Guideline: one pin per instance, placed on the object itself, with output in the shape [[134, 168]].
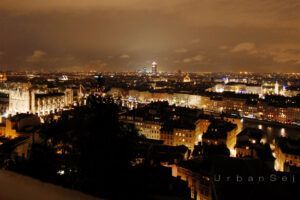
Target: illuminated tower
[[154, 68], [276, 89]]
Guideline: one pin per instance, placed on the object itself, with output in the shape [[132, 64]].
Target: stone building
[[41, 103]]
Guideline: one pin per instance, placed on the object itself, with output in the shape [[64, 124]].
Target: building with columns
[[34, 101]]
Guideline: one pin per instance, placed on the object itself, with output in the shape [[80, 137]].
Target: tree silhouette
[[86, 149]]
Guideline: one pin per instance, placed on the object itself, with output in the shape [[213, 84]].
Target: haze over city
[[149, 99], [190, 35]]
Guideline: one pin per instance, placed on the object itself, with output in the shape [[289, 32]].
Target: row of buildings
[[260, 89], [36, 99], [202, 174], [17, 135], [235, 178], [173, 125], [243, 105], [177, 126], [212, 174]]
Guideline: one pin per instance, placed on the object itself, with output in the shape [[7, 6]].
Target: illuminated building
[[237, 104], [231, 135], [199, 183], [150, 130], [20, 132], [15, 149], [220, 132], [21, 125], [251, 143], [154, 68], [271, 88], [202, 126], [167, 135], [187, 135], [276, 88], [237, 88], [174, 135], [186, 78], [246, 138], [246, 88], [287, 153], [3, 77], [290, 93], [181, 126], [63, 78], [23, 100], [207, 177], [4, 102]]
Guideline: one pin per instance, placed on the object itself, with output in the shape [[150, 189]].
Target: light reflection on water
[[274, 131]]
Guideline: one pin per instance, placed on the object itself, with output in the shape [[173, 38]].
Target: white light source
[[61, 172], [282, 132], [5, 115]]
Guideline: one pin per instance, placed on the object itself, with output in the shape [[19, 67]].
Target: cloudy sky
[[124, 35]]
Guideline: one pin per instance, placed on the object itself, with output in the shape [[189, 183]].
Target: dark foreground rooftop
[[18, 187]]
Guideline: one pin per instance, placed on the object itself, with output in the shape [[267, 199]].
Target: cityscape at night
[[149, 100]]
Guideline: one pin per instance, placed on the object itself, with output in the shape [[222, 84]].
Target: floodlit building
[[207, 178], [251, 143], [186, 78], [175, 126], [154, 68], [287, 152], [21, 125], [244, 105], [42, 103], [237, 88], [17, 135], [220, 132], [3, 77]]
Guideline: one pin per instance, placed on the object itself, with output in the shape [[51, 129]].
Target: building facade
[[287, 153], [231, 104], [41, 103]]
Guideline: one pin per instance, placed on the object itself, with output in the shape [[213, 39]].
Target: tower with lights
[[154, 68]]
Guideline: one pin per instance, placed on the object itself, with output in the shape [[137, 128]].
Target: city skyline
[[150, 99], [256, 36]]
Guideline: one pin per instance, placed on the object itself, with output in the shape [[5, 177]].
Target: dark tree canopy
[[95, 150]]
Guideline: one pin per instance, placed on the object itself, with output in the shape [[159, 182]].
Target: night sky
[[125, 35]]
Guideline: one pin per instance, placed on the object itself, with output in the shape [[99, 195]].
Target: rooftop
[[218, 129], [21, 116], [42, 95], [254, 133], [289, 146], [168, 115]]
